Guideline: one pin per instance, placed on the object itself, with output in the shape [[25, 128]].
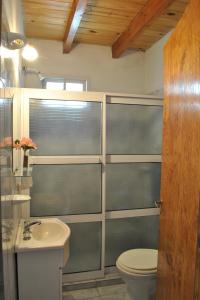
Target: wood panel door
[[180, 188]]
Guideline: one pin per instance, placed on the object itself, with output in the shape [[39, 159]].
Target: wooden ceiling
[[121, 24]]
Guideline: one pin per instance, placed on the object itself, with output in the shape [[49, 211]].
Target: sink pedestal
[[40, 275]]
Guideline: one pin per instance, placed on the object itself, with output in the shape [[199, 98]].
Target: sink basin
[[47, 232], [50, 234]]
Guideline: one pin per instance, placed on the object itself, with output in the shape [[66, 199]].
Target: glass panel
[[85, 248], [6, 150], [66, 189], [133, 185], [134, 129], [65, 127], [7, 220], [125, 234]]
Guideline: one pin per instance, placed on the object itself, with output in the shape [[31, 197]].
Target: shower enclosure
[[97, 168]]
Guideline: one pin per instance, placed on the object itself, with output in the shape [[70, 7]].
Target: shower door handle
[[158, 203]]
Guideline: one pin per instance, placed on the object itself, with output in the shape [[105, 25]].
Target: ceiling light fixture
[[29, 53], [13, 40]]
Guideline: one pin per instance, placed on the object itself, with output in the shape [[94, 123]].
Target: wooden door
[[197, 279], [180, 188]]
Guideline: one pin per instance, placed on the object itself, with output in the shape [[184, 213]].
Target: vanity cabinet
[[40, 274], [40, 259]]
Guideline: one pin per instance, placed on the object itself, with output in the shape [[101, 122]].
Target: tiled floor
[[111, 292]]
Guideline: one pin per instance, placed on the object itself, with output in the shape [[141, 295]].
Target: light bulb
[[29, 53]]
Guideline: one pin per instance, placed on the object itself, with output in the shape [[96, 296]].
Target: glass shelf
[[25, 172], [23, 179]]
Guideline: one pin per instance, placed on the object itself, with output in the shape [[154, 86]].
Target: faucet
[[27, 231]]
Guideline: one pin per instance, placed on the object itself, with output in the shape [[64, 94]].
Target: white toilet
[[138, 268]]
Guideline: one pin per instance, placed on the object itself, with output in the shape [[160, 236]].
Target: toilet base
[[141, 288]]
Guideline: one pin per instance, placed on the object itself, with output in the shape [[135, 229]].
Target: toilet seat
[[138, 262]]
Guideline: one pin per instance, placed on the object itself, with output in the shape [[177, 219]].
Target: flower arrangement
[[25, 144]]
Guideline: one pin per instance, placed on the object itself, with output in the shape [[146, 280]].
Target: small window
[[65, 84], [53, 85], [74, 86]]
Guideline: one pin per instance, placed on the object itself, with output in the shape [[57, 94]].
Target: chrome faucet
[[27, 231]]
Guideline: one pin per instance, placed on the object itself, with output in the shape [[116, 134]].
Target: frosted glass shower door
[[130, 233], [68, 180], [134, 138], [134, 129], [97, 168], [65, 127], [132, 185]]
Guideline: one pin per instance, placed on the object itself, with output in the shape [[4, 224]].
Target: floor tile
[[95, 298], [83, 294], [113, 289], [113, 297], [70, 297], [79, 286], [127, 297], [113, 292], [67, 297]]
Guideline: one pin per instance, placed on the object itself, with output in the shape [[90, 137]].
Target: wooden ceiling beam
[[76, 14], [151, 10]]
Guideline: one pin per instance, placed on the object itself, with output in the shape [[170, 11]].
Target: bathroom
[[91, 155]]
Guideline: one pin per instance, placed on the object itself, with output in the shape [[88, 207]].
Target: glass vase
[[25, 164]]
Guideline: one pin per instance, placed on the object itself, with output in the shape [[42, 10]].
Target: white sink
[[50, 234]]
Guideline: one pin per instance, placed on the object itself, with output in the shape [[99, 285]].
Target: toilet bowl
[[138, 268]]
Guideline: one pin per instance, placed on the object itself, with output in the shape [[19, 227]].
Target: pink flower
[[25, 144], [25, 141]]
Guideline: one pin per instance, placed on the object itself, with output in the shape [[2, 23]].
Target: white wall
[[135, 72], [154, 64], [90, 62]]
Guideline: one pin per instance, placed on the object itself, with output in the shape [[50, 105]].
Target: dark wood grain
[[151, 10], [197, 279], [180, 185], [76, 14]]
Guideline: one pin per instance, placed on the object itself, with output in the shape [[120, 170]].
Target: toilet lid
[[136, 260]]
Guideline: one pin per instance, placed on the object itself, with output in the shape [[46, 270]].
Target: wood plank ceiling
[[101, 22]]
